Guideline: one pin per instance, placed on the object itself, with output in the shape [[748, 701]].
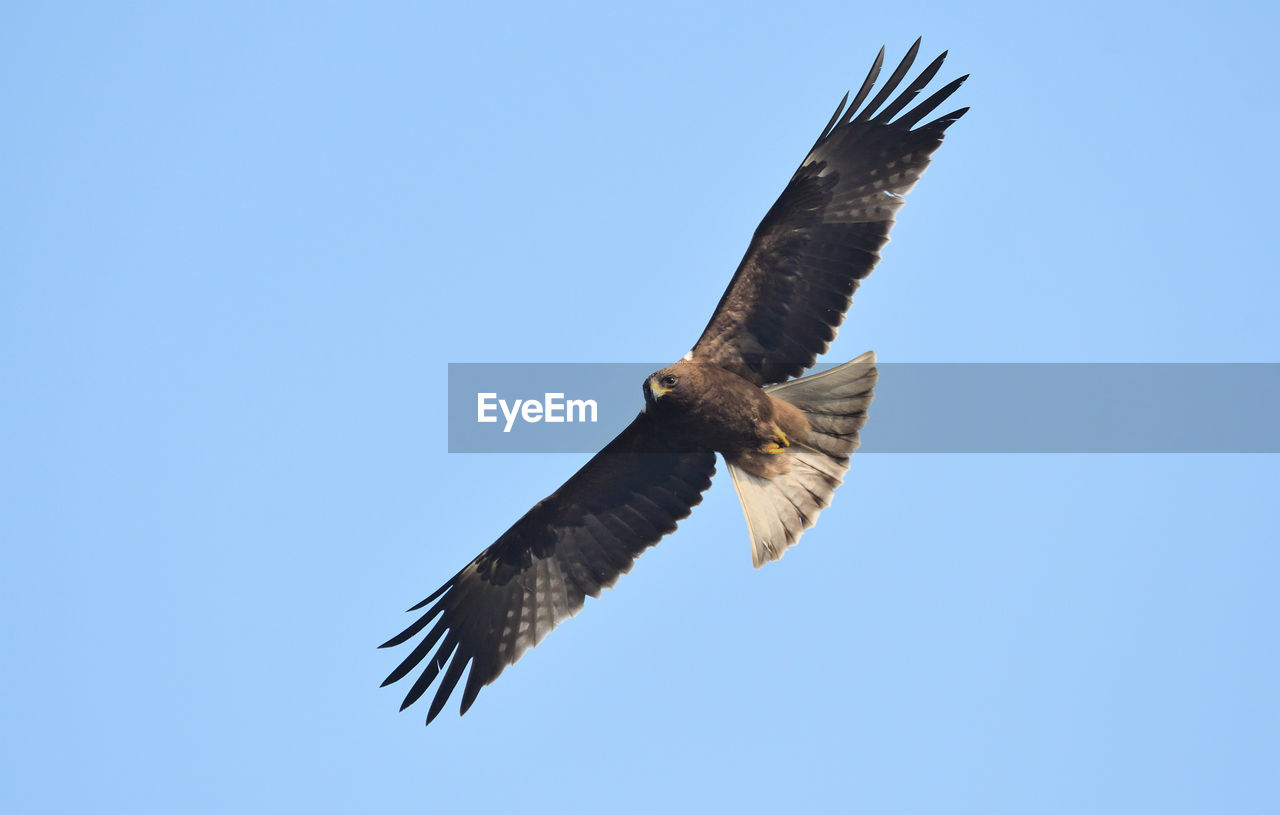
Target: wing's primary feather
[[825, 232], [574, 543]]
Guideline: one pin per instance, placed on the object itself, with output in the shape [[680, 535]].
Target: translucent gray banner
[[919, 407]]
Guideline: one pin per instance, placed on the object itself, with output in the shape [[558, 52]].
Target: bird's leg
[[779, 443]]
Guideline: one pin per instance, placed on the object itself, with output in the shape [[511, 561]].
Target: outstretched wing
[[825, 232], [574, 543]]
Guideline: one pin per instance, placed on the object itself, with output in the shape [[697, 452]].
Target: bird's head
[[669, 387]]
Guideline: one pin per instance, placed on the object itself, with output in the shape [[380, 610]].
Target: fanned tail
[[781, 508]]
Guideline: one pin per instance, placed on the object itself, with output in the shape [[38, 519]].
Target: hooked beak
[[652, 392]]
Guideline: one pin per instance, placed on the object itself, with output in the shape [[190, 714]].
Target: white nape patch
[[688, 357]]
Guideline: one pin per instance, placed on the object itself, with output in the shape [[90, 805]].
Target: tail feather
[[781, 508]]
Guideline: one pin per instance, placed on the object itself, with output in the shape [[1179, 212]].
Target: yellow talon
[[779, 444]]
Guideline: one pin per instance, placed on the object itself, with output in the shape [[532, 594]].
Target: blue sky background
[[242, 243]]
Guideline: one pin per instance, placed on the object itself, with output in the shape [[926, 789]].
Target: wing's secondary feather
[[825, 232]]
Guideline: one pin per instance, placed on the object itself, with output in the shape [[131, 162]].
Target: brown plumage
[[786, 443], [727, 413]]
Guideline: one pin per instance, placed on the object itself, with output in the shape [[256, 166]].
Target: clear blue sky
[[242, 242]]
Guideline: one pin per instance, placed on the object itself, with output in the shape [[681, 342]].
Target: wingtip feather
[[891, 84], [447, 685], [867, 84], [835, 117], [435, 594]]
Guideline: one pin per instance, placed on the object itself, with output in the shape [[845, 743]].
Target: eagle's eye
[[668, 381]]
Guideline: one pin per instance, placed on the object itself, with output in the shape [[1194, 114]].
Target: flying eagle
[[786, 441]]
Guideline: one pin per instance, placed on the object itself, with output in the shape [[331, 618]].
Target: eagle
[[786, 441]]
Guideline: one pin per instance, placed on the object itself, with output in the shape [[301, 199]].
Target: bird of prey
[[786, 442]]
